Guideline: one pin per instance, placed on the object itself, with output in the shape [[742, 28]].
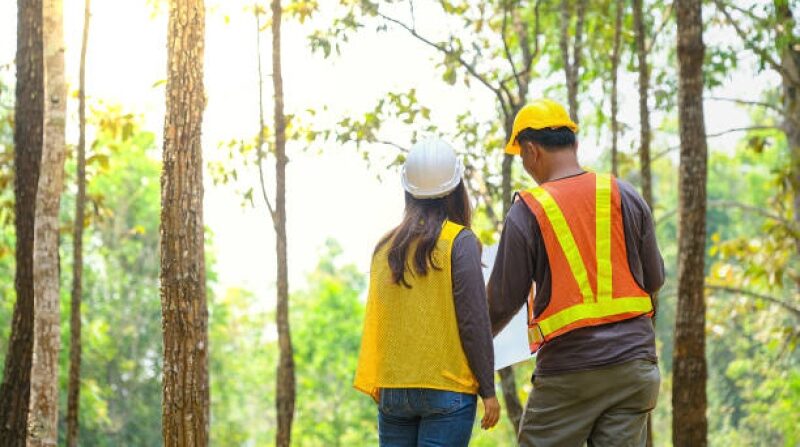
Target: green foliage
[[121, 371], [327, 320], [242, 370]]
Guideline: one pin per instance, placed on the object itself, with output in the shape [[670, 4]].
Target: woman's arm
[[472, 311]]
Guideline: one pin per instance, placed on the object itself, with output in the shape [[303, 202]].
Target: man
[[587, 244]]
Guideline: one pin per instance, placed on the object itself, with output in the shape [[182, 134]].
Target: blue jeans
[[409, 417]]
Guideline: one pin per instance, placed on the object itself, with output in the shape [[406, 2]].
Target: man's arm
[[652, 262], [511, 278]]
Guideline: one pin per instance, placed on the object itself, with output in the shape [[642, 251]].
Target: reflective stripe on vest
[[595, 306]]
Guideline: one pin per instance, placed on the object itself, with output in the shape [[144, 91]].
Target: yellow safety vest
[[411, 337]]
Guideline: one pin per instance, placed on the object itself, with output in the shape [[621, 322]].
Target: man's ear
[[526, 148], [533, 150]]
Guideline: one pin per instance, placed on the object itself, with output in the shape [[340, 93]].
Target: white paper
[[511, 344]]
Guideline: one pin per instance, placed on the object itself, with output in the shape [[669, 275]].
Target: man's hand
[[491, 412]]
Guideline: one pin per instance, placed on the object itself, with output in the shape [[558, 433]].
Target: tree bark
[[185, 407], [508, 382], [689, 424], [644, 133], [74, 386], [28, 140], [644, 109], [285, 392], [615, 57], [790, 62], [572, 58], [43, 406]]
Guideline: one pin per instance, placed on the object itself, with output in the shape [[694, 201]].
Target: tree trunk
[[43, 407], [286, 382], [644, 133], [689, 424], [183, 279], [28, 133], [74, 386], [615, 57], [572, 62], [644, 109], [790, 62], [508, 381]]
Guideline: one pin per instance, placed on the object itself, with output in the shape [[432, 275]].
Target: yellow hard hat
[[540, 114]]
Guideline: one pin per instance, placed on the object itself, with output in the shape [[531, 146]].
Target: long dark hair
[[422, 222]]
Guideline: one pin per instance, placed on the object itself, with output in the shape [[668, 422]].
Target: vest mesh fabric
[[411, 337]]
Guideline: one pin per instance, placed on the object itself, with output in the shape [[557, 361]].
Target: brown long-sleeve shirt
[[522, 259]]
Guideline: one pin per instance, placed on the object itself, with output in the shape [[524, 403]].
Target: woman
[[427, 350]]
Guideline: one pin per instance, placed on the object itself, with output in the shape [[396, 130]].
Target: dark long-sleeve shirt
[[522, 259], [472, 313]]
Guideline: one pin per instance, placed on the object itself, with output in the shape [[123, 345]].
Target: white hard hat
[[432, 169]]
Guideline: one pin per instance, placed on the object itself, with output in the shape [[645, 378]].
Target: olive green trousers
[[600, 407]]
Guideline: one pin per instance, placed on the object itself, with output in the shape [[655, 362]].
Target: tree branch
[[660, 28], [747, 103], [725, 204], [260, 138], [578, 43], [751, 209], [393, 144], [748, 42], [794, 310], [481, 194], [741, 129], [503, 35], [498, 91], [718, 134]]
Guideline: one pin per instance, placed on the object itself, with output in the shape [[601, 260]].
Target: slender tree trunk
[[185, 413], [572, 58], [615, 57], [644, 134], [43, 407], [790, 62], [689, 424], [644, 109], [28, 133], [791, 110], [286, 381], [508, 382], [74, 386]]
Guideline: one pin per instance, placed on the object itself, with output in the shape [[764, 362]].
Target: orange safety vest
[[581, 223]]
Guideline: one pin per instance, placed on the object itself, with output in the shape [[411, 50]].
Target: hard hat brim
[[512, 147]]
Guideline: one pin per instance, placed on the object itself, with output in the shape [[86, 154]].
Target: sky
[[331, 193]]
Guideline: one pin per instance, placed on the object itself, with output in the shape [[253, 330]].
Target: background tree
[[73, 390], [286, 381], [183, 278], [775, 44], [619, 8], [28, 140], [43, 412], [572, 55], [689, 361], [642, 49]]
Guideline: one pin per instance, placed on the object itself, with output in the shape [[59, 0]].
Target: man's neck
[[563, 172]]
